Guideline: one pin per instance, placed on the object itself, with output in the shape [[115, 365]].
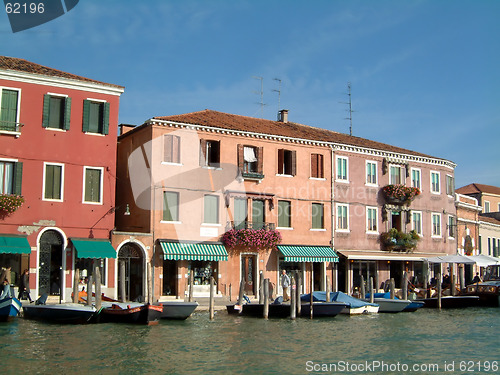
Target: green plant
[[9, 203], [401, 192], [394, 239], [251, 238]]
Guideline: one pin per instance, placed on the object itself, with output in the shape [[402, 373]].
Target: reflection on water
[[231, 344]]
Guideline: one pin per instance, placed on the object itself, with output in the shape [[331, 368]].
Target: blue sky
[[424, 74]]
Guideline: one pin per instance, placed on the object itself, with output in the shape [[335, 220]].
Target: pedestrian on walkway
[[5, 282], [285, 283], [24, 286]]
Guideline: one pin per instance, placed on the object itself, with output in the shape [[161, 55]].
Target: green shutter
[[46, 110], [8, 110], [211, 209], [18, 177], [170, 206], [86, 115], [258, 214], [317, 216], [105, 120], [67, 113], [92, 185], [284, 214]]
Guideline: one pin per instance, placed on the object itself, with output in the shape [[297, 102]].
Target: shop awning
[[93, 248], [13, 244], [213, 251], [385, 255], [298, 253]]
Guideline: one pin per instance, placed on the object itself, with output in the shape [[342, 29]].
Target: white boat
[[391, 305], [355, 306], [178, 310]]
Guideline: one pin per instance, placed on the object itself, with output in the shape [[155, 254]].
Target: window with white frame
[[7, 177], [371, 173], [211, 209], [317, 215], [436, 225], [450, 185], [170, 206], [416, 180], [435, 185], [342, 217], [53, 180], [342, 169], [486, 206], [371, 219], [9, 109], [416, 222], [92, 190], [451, 226], [396, 175]]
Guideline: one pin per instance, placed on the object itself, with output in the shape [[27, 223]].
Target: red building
[[58, 136]]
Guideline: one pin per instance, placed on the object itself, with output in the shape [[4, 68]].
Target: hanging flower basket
[[400, 194], [395, 240], [9, 203], [259, 239]]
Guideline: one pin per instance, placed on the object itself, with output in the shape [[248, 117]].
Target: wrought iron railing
[[9, 126]]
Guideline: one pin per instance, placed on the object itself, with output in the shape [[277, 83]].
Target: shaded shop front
[[180, 259], [318, 261], [14, 252]]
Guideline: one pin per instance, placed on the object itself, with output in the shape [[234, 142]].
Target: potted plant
[[400, 194], [9, 203]]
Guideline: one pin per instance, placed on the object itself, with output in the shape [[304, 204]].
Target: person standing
[[5, 282], [285, 283], [24, 286]]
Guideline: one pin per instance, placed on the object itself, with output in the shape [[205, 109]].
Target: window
[[317, 213], [93, 185], [53, 182], [395, 175], [240, 213], [9, 110], [416, 179], [56, 112], [436, 225], [287, 162], [450, 185], [171, 149], [95, 117], [211, 209], [451, 226], [480, 245], [489, 246], [209, 153], [284, 214], [170, 206], [10, 177], [371, 219], [317, 166], [486, 206], [435, 187], [342, 169], [258, 213], [416, 222], [371, 173], [342, 217]]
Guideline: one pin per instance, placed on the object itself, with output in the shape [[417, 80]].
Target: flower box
[[248, 238], [9, 203], [400, 194]]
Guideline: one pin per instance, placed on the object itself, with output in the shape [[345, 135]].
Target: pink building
[[58, 151], [207, 192]]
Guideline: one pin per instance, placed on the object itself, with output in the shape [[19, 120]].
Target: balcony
[[395, 240], [249, 225], [400, 194], [10, 128]]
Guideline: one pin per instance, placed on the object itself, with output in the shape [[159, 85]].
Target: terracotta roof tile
[[21, 65], [289, 129], [478, 188]]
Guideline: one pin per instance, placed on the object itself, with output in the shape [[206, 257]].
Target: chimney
[[283, 116]]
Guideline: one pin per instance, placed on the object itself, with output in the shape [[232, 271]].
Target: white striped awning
[[213, 251], [297, 253]]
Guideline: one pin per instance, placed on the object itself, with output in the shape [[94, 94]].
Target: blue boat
[[9, 308]]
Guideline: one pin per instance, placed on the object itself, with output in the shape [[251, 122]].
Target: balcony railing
[[9, 127], [249, 225]]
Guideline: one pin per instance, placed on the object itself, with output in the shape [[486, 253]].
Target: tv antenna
[[350, 107], [261, 93], [279, 93]]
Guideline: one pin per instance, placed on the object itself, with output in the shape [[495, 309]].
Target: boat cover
[[336, 297]]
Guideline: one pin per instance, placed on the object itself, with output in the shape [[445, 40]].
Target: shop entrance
[[132, 256], [50, 261], [169, 278], [248, 273]]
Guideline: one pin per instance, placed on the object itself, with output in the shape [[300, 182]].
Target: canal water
[[462, 341]]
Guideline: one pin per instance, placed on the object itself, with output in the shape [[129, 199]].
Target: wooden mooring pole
[[312, 290], [76, 281], [293, 298], [122, 281], [240, 295], [328, 288], [89, 290], [191, 283], [405, 285], [371, 290], [150, 284], [362, 288], [266, 299], [211, 303], [439, 290], [98, 296], [261, 287], [392, 286], [299, 290]]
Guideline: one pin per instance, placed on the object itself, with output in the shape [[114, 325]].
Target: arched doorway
[[50, 263], [132, 256]]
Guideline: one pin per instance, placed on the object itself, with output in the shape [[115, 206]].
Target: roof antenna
[[279, 94], [350, 107], [261, 92]]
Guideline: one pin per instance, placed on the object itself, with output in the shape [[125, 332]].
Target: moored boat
[[414, 306], [322, 309], [177, 310], [9, 308], [488, 290], [131, 313], [355, 306], [451, 302], [388, 305], [63, 313]]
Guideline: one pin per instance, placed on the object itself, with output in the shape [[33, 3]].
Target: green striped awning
[[93, 248], [13, 244], [213, 251], [308, 253]]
